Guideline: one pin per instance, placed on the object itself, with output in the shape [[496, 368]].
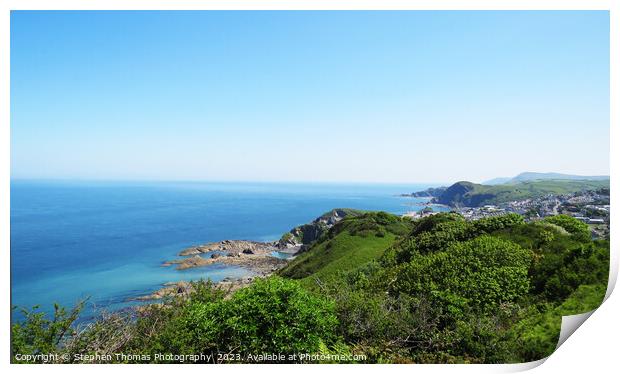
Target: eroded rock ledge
[[254, 256], [232, 247]]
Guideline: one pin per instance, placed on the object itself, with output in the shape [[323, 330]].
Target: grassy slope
[[343, 252], [349, 244], [484, 194], [317, 227]]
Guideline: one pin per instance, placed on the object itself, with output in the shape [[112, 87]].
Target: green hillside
[[351, 243], [308, 233], [474, 195], [440, 289], [492, 290]]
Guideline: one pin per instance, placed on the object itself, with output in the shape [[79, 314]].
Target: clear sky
[[308, 96]]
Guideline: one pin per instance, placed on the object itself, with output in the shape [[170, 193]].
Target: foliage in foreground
[[39, 335], [487, 291], [440, 289], [273, 315]]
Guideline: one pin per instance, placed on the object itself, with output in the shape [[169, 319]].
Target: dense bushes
[[564, 265], [492, 224], [276, 315], [479, 274], [440, 289], [575, 227], [484, 291], [271, 316], [438, 232], [38, 335]]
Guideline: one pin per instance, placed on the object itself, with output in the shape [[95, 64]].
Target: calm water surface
[[106, 241]]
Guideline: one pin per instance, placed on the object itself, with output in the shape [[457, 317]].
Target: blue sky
[[308, 96]]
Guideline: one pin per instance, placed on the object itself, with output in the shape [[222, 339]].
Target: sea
[[105, 242]]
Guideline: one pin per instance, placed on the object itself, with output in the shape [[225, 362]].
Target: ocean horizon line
[[224, 181]]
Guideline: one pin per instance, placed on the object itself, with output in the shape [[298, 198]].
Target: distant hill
[[500, 180], [532, 176], [470, 194], [458, 194]]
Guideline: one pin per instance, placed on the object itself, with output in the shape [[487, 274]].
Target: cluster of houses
[[591, 207], [481, 212]]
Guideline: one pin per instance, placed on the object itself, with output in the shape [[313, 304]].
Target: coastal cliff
[[304, 235], [468, 194], [429, 192]]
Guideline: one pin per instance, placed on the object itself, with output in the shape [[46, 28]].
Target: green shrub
[[480, 274], [273, 315], [551, 227], [563, 265], [490, 224], [38, 335], [277, 315], [384, 328], [431, 235], [575, 227]]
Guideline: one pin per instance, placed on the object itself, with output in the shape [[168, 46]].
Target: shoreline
[[253, 255], [257, 257]]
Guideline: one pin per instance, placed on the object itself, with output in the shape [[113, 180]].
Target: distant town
[[591, 207]]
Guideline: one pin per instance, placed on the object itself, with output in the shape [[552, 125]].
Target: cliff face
[[455, 194], [430, 192], [308, 233]]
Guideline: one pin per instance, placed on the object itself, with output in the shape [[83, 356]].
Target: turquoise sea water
[[107, 240]]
